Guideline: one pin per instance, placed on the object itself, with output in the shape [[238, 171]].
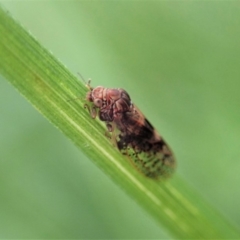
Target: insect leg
[[111, 129], [92, 110]]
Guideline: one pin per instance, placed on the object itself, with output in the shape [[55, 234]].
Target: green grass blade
[[48, 85]]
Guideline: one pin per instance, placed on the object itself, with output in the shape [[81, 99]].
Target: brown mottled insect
[[132, 133]]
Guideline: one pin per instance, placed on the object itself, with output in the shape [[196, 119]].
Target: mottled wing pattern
[[145, 147]]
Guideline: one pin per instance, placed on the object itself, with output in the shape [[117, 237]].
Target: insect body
[[132, 133]]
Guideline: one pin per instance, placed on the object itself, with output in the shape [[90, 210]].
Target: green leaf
[[48, 85]]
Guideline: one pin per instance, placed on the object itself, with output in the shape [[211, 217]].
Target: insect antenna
[[87, 83]]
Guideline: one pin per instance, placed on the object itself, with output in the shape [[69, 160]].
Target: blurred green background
[[180, 62]]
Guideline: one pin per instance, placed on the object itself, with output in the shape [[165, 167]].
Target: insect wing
[[144, 146]]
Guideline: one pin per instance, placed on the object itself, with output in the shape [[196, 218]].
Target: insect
[[130, 131]]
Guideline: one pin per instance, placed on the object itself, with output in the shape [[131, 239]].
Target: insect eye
[[98, 102]]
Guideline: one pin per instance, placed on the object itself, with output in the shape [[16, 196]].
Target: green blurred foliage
[[180, 63]]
